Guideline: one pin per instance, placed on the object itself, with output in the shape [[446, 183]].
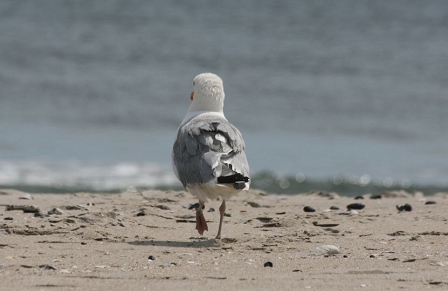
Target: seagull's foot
[[201, 224]]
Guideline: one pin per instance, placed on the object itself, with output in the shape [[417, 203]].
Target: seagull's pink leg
[[222, 211], [201, 224]]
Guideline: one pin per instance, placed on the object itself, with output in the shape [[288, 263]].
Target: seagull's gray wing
[[207, 148]]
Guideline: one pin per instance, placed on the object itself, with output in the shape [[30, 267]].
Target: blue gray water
[[324, 92]]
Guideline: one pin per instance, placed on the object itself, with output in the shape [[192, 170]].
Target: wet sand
[[147, 241]]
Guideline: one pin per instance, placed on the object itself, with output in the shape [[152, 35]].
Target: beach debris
[[24, 208], [315, 223], [26, 196], [395, 194], [359, 197], [324, 194], [274, 224], [373, 256], [162, 207], [83, 243], [229, 240], [264, 219], [356, 206], [398, 233], [194, 206], [309, 209], [430, 202], [268, 264], [141, 213], [83, 206], [8, 218], [254, 204], [334, 208], [27, 266], [326, 250], [151, 258], [47, 267], [376, 196], [405, 207], [55, 211]]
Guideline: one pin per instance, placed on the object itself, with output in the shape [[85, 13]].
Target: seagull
[[208, 154]]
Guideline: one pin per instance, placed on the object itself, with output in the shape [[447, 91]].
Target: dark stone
[[359, 197], [8, 218], [141, 213], [356, 206], [405, 207], [430, 202], [193, 206], [377, 196], [268, 264], [309, 209], [334, 208], [151, 258]]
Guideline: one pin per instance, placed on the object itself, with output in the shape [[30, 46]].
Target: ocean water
[[348, 96]]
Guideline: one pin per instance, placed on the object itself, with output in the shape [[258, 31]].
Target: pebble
[[334, 208], [193, 206], [151, 258], [309, 209], [405, 207], [55, 211], [326, 250], [268, 264], [141, 213], [377, 196], [83, 243], [357, 206], [430, 202], [8, 218], [359, 197]]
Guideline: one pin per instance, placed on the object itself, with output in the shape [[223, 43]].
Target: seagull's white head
[[208, 93]]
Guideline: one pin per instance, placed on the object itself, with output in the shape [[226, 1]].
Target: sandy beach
[[147, 241]]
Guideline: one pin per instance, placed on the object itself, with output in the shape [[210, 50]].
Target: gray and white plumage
[[209, 149]]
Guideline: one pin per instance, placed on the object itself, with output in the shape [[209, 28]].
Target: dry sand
[[103, 242]]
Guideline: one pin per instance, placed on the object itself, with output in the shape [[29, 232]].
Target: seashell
[[326, 250]]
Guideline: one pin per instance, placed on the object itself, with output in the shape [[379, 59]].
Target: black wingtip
[[236, 178]]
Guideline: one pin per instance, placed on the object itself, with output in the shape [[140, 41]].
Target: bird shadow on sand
[[200, 243]]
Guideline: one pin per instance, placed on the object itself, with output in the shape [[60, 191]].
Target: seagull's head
[[208, 93]]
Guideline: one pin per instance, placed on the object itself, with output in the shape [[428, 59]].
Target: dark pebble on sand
[[8, 218], [83, 243], [151, 258], [356, 206], [405, 207], [141, 213], [430, 202], [268, 264], [193, 206], [359, 197], [334, 208], [377, 196], [309, 209]]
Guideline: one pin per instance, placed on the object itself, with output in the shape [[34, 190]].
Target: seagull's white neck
[[192, 114]]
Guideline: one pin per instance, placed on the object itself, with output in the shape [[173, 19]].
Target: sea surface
[[348, 96]]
